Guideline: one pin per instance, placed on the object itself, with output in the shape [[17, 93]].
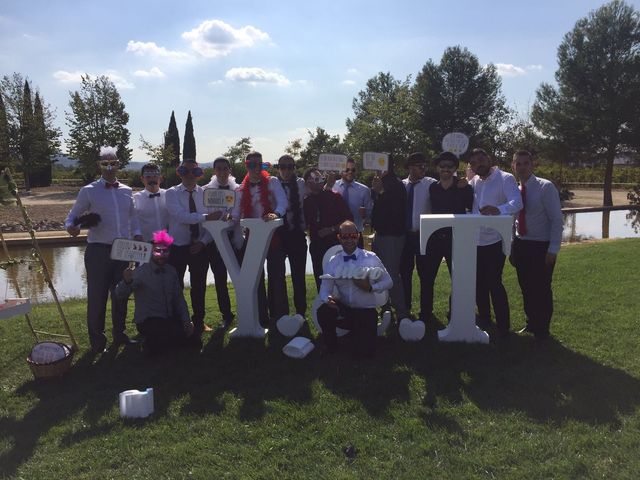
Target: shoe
[[123, 339], [97, 350], [503, 334], [525, 330], [226, 323]]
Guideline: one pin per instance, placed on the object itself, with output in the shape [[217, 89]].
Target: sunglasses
[[352, 170], [286, 167], [348, 236], [150, 174], [316, 179], [446, 166], [253, 164], [160, 252], [109, 163], [196, 171]]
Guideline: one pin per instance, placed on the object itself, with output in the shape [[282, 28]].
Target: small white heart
[[411, 331]]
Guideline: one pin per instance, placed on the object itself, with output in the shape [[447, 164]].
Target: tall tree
[[459, 94], [293, 148], [595, 108], [4, 137], [172, 139], [319, 142], [41, 149], [189, 146], [27, 135], [98, 117], [385, 117]]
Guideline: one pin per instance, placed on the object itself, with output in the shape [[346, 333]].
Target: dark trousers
[[411, 257], [103, 274], [220, 278], [534, 277], [294, 246], [438, 247], [362, 322], [198, 264], [317, 249], [489, 284], [161, 334]]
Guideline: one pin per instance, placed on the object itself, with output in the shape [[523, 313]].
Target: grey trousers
[[389, 250], [102, 276]]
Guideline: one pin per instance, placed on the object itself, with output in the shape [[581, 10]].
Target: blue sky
[[268, 70]]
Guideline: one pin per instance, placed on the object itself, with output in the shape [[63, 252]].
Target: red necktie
[[522, 220]]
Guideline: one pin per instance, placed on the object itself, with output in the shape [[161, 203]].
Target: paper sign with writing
[[456, 143], [130, 250], [218, 198], [375, 161], [334, 162]]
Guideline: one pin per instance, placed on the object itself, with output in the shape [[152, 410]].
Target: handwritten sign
[[218, 198], [334, 162], [456, 143], [375, 161], [130, 250]]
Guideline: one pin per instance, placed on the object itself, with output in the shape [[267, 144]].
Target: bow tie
[[153, 195], [346, 258], [112, 185], [223, 187]]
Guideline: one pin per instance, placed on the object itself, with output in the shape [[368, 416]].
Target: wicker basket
[[53, 369]]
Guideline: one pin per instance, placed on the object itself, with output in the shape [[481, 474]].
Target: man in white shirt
[[110, 203], [418, 203], [354, 305], [357, 195], [494, 193], [150, 203], [536, 244], [221, 179], [185, 205]]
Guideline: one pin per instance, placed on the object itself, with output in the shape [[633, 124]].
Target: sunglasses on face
[[348, 236], [109, 163], [253, 164], [316, 179], [196, 171], [446, 166], [160, 252], [350, 170], [286, 167], [151, 174]]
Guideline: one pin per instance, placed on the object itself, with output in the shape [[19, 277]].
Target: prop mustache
[[87, 220]]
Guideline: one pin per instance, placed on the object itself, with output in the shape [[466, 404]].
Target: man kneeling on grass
[[161, 312]]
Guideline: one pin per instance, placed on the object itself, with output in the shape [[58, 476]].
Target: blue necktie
[[409, 218], [345, 193], [346, 258]]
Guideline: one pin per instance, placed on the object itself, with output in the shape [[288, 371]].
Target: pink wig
[[162, 238]]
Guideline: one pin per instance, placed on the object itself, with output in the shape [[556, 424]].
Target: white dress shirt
[[277, 198], [118, 218], [177, 201], [421, 199], [348, 292], [500, 190], [359, 196], [543, 213], [152, 212]]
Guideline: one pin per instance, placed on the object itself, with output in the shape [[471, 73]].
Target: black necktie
[[223, 187], [195, 227], [346, 258], [153, 195], [409, 218]]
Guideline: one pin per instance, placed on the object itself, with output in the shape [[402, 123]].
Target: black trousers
[[220, 278], [489, 284], [294, 246], [161, 334], [103, 274], [411, 258], [438, 247], [362, 322], [534, 277], [198, 264], [317, 249]]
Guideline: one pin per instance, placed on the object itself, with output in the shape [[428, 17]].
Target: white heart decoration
[[288, 325], [384, 323], [375, 273], [411, 331]]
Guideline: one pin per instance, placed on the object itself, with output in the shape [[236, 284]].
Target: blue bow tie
[[346, 258], [153, 195]]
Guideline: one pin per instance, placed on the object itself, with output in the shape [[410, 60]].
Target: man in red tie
[[536, 244]]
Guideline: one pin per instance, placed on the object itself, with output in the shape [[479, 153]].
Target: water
[[66, 264]]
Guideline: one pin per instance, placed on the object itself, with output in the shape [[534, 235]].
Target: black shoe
[[503, 334], [97, 350], [525, 330], [226, 323], [123, 339]]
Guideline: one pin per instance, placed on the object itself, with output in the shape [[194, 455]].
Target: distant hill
[[67, 162]]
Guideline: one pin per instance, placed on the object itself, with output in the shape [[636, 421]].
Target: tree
[[98, 117], [41, 150], [293, 148], [189, 146], [163, 156], [4, 137], [459, 94], [239, 150], [385, 117], [595, 108], [319, 142], [172, 139]]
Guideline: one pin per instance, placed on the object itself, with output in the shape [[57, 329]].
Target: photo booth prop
[[333, 162], [411, 330], [131, 250], [298, 348], [456, 143], [288, 325], [218, 198], [375, 161], [136, 404]]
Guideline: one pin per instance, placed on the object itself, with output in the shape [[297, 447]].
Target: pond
[[66, 264]]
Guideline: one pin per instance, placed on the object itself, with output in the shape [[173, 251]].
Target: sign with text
[[375, 161], [130, 250], [218, 198], [456, 143], [333, 162]]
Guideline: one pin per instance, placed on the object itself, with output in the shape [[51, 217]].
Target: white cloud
[[534, 67], [76, 77], [510, 70], [352, 71], [154, 72], [348, 82], [255, 75], [215, 38], [153, 50], [216, 82]]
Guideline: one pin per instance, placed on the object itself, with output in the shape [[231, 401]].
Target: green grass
[[241, 409]]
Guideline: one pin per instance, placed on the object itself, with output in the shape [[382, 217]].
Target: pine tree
[[27, 131], [189, 146], [41, 151], [172, 139], [4, 137]]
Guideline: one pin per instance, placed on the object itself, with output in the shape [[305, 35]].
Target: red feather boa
[[245, 204]]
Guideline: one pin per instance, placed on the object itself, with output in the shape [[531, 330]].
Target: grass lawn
[[241, 409]]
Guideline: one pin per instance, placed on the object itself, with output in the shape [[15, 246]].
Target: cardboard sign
[[218, 198], [456, 143], [131, 250], [333, 162], [375, 161]]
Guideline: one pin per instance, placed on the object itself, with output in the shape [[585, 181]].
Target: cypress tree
[[172, 139], [4, 136], [26, 134], [40, 151], [189, 146]]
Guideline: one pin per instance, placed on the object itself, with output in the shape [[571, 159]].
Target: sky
[[270, 70]]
